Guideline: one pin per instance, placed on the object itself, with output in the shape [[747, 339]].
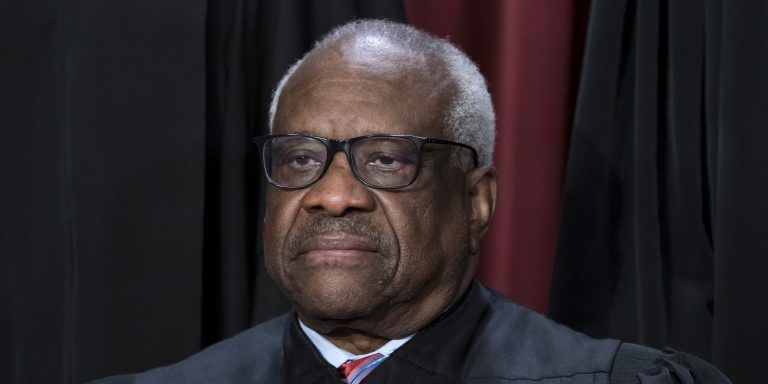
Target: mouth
[[337, 249]]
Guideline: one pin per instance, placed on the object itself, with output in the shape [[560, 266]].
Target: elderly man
[[381, 190]]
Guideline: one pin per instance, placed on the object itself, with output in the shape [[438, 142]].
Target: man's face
[[340, 250]]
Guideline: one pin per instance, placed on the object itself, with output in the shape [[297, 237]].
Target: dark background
[[631, 154]]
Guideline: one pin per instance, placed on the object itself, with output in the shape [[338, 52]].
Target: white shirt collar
[[337, 356]]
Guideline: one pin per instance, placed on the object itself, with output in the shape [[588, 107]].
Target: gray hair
[[470, 119]]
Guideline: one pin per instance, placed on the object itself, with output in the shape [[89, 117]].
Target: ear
[[481, 187]]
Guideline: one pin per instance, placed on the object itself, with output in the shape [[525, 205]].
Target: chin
[[341, 301], [338, 314]]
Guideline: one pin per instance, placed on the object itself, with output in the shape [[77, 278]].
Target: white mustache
[[337, 226]]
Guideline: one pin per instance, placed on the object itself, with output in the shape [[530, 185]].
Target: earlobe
[[481, 187]]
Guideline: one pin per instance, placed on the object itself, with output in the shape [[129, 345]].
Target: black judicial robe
[[485, 338]]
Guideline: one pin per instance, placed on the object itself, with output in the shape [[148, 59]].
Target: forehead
[[362, 87]]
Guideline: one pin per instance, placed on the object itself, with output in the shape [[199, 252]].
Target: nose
[[338, 192]]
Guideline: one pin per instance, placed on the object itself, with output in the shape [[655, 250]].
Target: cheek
[[444, 224], [281, 211], [428, 225]]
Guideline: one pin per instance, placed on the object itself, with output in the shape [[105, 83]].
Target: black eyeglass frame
[[332, 146]]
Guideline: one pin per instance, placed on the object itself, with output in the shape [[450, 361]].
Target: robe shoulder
[[637, 364], [255, 354], [121, 379]]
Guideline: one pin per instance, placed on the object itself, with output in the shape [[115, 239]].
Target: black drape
[[128, 205], [103, 122], [664, 233]]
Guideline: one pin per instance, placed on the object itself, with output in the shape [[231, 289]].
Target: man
[[381, 190]]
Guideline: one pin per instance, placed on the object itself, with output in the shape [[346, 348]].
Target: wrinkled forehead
[[378, 59], [376, 54], [373, 69]]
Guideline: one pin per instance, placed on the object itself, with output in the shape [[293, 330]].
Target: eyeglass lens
[[384, 162]]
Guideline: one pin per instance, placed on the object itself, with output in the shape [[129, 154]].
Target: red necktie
[[354, 371]]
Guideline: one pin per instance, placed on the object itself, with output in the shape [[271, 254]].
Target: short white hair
[[470, 118]]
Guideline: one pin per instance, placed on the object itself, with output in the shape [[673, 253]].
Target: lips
[[338, 248]]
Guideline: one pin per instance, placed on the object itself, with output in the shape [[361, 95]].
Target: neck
[[355, 342], [365, 335]]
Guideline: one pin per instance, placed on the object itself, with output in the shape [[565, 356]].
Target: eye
[[302, 160], [385, 162], [299, 160]]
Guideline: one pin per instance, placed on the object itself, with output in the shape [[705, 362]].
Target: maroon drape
[[529, 52]]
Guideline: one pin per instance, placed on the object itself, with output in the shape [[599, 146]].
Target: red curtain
[[530, 52]]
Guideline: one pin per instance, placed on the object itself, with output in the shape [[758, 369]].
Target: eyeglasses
[[378, 161]]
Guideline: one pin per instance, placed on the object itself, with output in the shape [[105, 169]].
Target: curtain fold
[[663, 216], [103, 140]]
